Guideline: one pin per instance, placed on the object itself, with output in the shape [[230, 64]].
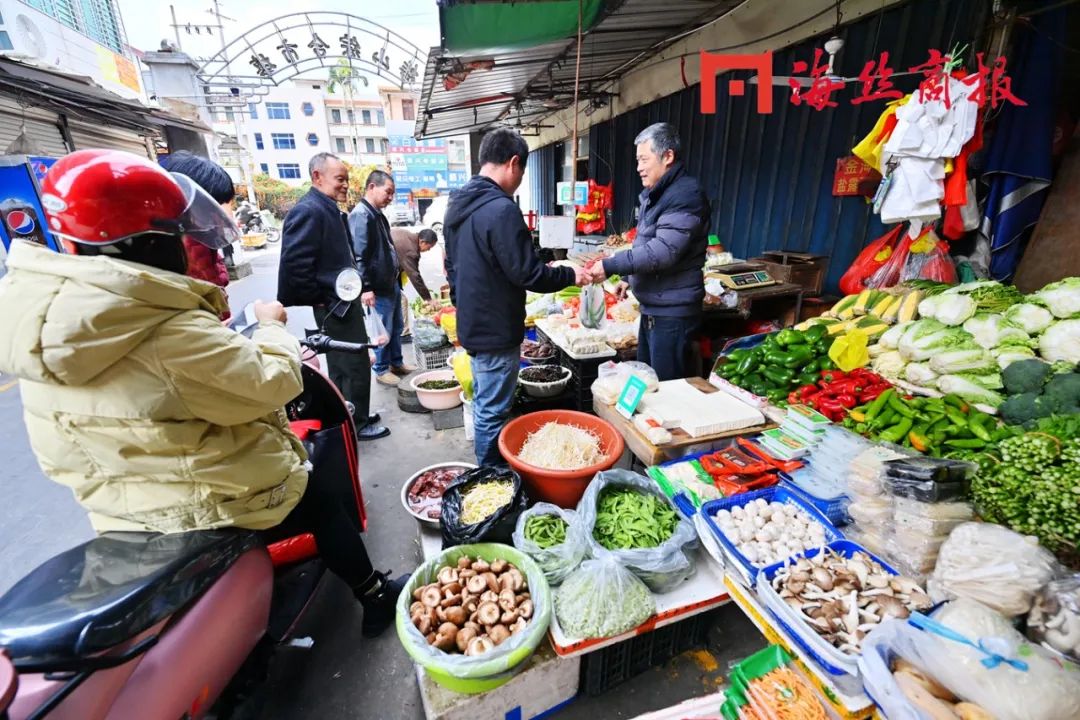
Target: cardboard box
[[801, 269]]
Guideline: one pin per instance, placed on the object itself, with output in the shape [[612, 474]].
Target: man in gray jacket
[[665, 264]]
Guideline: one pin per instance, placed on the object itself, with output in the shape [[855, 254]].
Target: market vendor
[[665, 263]]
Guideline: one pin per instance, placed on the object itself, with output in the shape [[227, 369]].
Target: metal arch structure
[[290, 45]]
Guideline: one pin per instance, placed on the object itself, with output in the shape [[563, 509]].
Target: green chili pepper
[[798, 355], [977, 425], [958, 418], [973, 443], [897, 403], [875, 406], [778, 375], [814, 333], [746, 363], [897, 431]]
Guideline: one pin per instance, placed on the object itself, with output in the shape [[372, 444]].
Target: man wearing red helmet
[[135, 395]]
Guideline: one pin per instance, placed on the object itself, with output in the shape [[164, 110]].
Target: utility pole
[[175, 27]]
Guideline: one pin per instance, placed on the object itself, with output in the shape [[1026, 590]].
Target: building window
[[366, 115], [312, 139], [264, 168], [288, 171], [385, 146], [283, 141], [408, 109], [339, 144], [351, 116], [369, 144], [5, 41], [258, 141], [380, 118], [253, 112], [278, 111], [308, 109], [335, 117], [316, 87]]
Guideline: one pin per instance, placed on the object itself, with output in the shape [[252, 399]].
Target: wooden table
[[681, 442], [747, 298]]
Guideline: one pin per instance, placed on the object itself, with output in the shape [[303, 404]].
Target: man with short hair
[[409, 246], [490, 263], [665, 264], [315, 248], [380, 269]]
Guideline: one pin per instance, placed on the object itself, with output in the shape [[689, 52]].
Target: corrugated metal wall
[[542, 168], [769, 177]]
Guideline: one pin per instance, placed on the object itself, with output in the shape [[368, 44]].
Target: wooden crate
[[803, 269]]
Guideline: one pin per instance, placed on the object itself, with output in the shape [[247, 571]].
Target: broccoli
[[1022, 409], [1063, 393], [1025, 376]]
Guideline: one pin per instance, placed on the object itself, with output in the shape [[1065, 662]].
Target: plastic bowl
[[437, 399], [561, 487], [416, 476], [546, 389], [472, 675], [547, 360]]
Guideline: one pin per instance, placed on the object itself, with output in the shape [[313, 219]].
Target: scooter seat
[[102, 593]]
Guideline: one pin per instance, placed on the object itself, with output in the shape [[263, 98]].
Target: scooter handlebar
[[323, 343]]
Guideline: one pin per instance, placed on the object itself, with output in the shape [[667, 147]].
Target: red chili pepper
[[807, 390], [846, 385], [794, 398], [833, 375], [846, 400]]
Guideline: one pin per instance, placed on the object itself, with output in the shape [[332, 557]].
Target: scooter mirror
[[348, 285]]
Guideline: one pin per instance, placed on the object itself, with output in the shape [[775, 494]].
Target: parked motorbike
[[149, 626], [253, 220]]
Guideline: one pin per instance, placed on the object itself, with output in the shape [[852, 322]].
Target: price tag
[[630, 397]]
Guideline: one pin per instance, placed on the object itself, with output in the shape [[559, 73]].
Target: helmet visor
[[204, 220]]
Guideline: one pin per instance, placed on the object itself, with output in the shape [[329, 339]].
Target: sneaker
[[388, 378], [381, 606], [402, 370]]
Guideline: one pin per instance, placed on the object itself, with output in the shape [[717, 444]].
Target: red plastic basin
[[561, 487]]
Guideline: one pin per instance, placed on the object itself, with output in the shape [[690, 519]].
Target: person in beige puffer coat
[[157, 416]]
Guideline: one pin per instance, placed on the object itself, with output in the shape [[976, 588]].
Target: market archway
[[290, 45]]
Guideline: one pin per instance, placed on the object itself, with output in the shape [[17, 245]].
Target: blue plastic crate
[[835, 509], [777, 493], [680, 500], [829, 658]]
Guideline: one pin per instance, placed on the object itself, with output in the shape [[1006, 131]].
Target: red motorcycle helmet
[[102, 197]]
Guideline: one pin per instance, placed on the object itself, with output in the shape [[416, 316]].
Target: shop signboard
[[853, 177], [21, 215]]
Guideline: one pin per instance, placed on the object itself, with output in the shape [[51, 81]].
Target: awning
[[79, 97], [476, 80]]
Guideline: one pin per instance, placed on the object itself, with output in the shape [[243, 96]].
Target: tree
[[345, 77], [358, 175]]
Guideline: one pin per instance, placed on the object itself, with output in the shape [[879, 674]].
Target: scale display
[[742, 277]]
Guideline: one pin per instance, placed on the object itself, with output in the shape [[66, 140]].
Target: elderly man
[[409, 246], [381, 269], [665, 263], [490, 263], [315, 247]]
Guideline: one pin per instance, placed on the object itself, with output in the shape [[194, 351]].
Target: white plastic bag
[[376, 331], [1055, 617], [593, 310], [602, 599], [1046, 690], [661, 568], [556, 561], [992, 565]]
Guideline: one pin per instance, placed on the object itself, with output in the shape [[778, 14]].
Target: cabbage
[[990, 381], [991, 330], [969, 390], [1061, 341], [958, 361], [1029, 317], [889, 364], [928, 307], [954, 309], [1062, 297], [1008, 354], [925, 338], [890, 339], [920, 374]]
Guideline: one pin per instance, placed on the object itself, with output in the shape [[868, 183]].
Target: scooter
[[252, 220], [149, 626]]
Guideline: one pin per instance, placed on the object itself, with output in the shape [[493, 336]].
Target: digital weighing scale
[[742, 276]]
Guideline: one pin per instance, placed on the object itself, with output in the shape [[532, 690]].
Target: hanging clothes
[[870, 147]]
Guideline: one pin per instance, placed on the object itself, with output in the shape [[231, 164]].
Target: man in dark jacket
[[490, 263], [315, 247], [665, 264], [381, 272]]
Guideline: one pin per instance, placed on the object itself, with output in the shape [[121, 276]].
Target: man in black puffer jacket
[[490, 263], [665, 263]]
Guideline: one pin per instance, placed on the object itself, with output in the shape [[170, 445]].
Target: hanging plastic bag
[[593, 308], [376, 331], [889, 273], [461, 364], [1003, 674], [663, 567], [602, 599], [1054, 619], [929, 259], [561, 558], [872, 257], [498, 526]]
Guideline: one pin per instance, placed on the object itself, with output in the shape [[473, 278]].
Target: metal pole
[[176, 28], [577, 79]]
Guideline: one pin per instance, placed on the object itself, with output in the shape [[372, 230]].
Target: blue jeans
[[389, 309], [664, 342], [495, 376]]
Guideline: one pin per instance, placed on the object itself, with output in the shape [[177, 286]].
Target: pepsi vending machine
[[21, 214]]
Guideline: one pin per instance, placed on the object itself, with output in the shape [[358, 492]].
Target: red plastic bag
[[928, 259], [890, 272], [869, 262]]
